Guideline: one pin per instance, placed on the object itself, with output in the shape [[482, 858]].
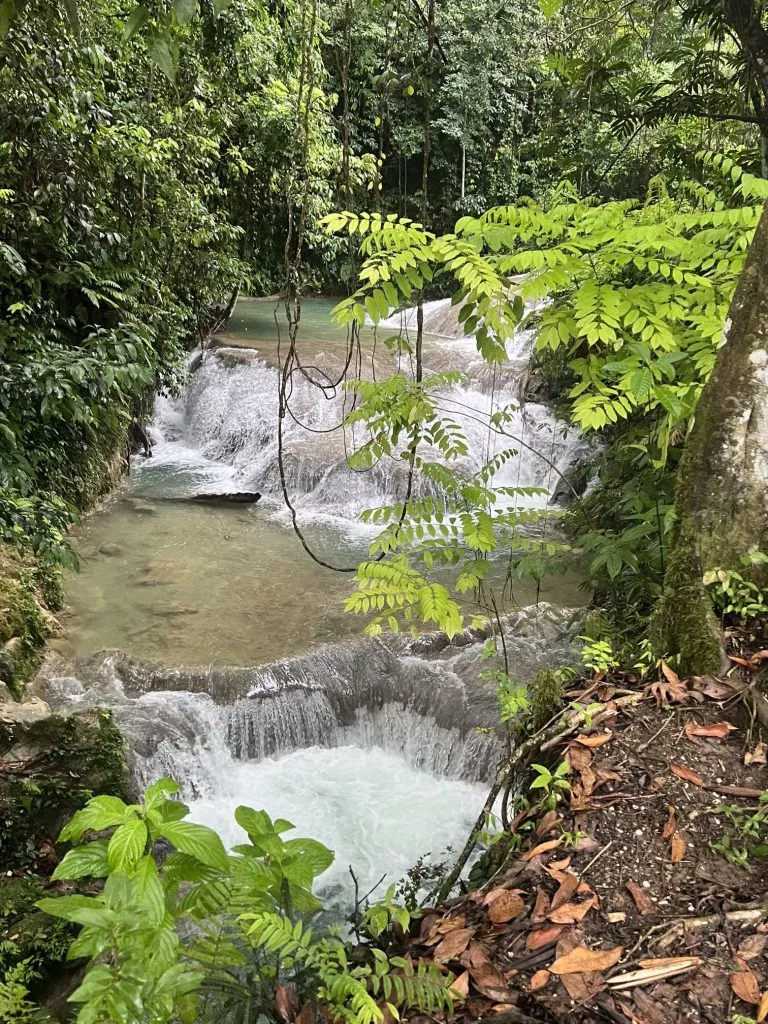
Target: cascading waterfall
[[382, 749]]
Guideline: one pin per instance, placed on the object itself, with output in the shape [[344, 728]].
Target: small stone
[[646, 885]]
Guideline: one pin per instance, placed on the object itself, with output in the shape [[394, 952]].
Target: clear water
[[184, 584], [367, 771]]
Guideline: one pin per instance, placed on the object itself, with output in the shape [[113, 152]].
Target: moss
[[544, 694], [683, 622], [97, 468], [25, 621], [70, 759], [33, 938]]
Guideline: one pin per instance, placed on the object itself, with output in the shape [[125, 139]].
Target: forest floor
[[642, 898]]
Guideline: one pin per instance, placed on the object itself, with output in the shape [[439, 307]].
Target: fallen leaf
[[541, 909], [758, 755], [671, 961], [559, 865], [307, 1014], [671, 824], [642, 902], [670, 689], [493, 895], [606, 775], [583, 960], [572, 913], [714, 688], [461, 984], [744, 984], [679, 846], [686, 773], [752, 946], [505, 907], [616, 917], [542, 937], [716, 731], [551, 844], [583, 985], [568, 887], [578, 756], [284, 1004], [550, 821], [762, 1008], [594, 741], [489, 981], [453, 945], [539, 980]]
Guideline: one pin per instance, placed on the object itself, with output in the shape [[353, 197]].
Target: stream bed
[[224, 649]]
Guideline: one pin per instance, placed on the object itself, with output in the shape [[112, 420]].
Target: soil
[[622, 876]]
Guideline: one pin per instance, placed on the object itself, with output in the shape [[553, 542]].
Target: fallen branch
[[738, 918]]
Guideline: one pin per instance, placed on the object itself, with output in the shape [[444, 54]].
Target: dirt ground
[[616, 907]]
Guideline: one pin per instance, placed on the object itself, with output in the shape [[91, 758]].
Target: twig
[[597, 857], [648, 742]]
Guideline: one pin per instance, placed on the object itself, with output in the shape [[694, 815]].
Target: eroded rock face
[[24, 712]]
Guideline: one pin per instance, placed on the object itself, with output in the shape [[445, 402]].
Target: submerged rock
[[233, 498]]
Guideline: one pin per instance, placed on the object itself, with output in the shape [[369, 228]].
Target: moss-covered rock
[[28, 593], [52, 766]]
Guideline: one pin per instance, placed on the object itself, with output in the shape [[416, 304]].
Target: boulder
[[234, 498]]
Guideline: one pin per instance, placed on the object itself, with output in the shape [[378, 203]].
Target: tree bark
[[722, 487]]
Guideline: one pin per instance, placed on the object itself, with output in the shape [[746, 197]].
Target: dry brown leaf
[[461, 984], [686, 773], [744, 984], [583, 960], [489, 981], [493, 895], [559, 865], [671, 824], [568, 887], [716, 731], [762, 1008], [578, 756], [752, 946], [541, 909], [757, 756], [284, 1004], [505, 907], [542, 937], [668, 689], [670, 961], [714, 688], [594, 741], [679, 846], [453, 945], [642, 902], [548, 822], [572, 913], [606, 775], [539, 980], [307, 1014], [583, 985], [551, 844]]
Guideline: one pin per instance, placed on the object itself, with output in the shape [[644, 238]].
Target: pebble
[[646, 885]]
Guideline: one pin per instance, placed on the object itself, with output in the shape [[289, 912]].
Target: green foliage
[[733, 594], [748, 834], [598, 655], [385, 914], [249, 910], [552, 783]]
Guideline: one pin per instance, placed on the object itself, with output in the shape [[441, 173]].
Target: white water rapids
[[382, 749]]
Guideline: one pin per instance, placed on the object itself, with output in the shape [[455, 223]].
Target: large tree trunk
[[722, 489]]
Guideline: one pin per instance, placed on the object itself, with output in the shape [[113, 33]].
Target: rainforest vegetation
[[594, 171]]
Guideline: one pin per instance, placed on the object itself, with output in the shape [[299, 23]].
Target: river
[[239, 671]]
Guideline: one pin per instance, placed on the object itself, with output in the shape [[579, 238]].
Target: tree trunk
[[722, 486]]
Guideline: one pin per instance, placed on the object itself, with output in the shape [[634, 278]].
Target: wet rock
[[233, 498], [9, 654], [24, 713], [171, 610], [110, 550]]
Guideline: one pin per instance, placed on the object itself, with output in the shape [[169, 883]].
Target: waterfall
[[225, 427]]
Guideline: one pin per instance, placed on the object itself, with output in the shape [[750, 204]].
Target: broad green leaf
[[161, 54], [149, 891], [127, 845], [198, 841], [100, 813], [137, 19], [81, 909], [185, 10], [319, 857], [255, 823], [83, 862]]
